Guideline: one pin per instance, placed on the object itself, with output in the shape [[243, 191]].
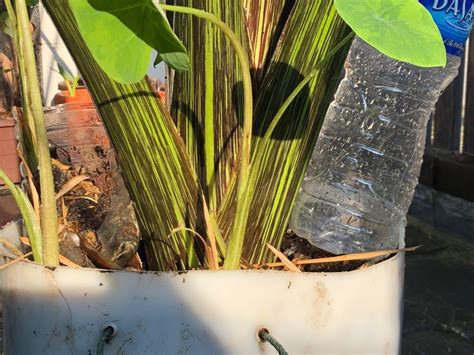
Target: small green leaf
[[29, 218], [70, 80], [31, 2], [121, 35], [65, 73], [6, 24], [401, 29], [157, 60]]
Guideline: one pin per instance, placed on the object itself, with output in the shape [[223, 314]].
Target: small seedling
[[72, 82]]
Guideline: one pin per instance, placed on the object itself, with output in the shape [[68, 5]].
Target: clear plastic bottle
[[366, 163]]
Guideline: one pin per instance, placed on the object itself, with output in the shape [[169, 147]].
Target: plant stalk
[[49, 226], [209, 138], [258, 155], [301, 85], [307, 32], [29, 139], [29, 218], [237, 236]]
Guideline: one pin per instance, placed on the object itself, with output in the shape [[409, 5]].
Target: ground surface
[[439, 293], [439, 278], [439, 288]]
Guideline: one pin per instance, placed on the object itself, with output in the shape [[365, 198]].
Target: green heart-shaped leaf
[[121, 35], [401, 29]]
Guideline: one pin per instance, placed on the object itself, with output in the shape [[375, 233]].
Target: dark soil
[[89, 215], [85, 214], [92, 233], [88, 206], [95, 235], [296, 248], [82, 211]]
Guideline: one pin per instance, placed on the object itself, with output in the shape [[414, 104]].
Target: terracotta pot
[[161, 94], [9, 160], [158, 89], [81, 96]]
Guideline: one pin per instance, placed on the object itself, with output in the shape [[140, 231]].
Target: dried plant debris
[[296, 248], [92, 233]]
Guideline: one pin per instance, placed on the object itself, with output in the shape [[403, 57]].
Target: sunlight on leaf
[[121, 35], [401, 29]]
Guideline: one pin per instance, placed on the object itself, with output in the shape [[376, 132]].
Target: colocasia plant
[[214, 179]]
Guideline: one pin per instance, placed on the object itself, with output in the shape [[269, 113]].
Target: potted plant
[[73, 124], [202, 207], [72, 90]]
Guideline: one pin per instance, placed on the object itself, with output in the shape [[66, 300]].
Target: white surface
[[159, 71], [63, 311], [10, 232], [54, 51]]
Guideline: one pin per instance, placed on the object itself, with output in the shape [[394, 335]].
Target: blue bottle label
[[454, 19]]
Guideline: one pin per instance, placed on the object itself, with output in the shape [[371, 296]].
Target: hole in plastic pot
[[261, 332], [109, 330]]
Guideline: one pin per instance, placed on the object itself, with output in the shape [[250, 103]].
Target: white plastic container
[[11, 232], [64, 311]]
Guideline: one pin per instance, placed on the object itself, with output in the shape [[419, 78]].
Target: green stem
[[209, 139], [48, 201], [300, 87], [29, 218], [29, 139], [237, 234], [259, 153]]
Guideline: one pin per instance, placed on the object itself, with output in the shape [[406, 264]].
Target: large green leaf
[[121, 35], [401, 29], [150, 153]]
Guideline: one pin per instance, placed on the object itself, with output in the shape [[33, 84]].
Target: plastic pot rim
[[184, 272]]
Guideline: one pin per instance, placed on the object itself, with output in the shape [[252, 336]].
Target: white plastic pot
[[10, 232], [64, 311]]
